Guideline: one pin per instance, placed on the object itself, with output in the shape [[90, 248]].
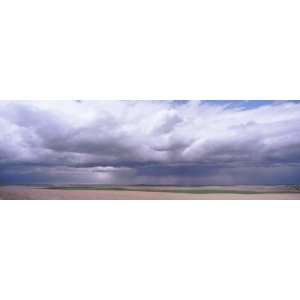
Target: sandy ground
[[13, 192]]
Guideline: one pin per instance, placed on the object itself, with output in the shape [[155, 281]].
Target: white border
[[158, 50], [149, 250]]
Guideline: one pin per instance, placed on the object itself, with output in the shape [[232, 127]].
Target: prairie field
[[109, 192]]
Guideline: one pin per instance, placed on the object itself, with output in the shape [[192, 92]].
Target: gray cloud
[[155, 142]]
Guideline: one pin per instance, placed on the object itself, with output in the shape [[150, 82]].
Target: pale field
[[150, 193]]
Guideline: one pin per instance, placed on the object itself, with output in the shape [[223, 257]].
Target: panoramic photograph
[[149, 150]]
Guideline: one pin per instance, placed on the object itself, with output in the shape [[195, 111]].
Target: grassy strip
[[190, 191]]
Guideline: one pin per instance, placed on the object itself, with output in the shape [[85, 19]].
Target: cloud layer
[[150, 142]]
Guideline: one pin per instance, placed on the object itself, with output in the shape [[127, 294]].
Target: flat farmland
[[100, 192]]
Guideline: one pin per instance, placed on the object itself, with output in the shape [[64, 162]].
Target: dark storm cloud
[[153, 142]]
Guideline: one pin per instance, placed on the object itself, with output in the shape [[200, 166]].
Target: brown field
[[149, 193]]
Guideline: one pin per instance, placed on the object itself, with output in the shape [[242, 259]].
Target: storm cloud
[[150, 142]]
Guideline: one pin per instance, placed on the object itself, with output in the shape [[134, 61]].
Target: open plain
[[149, 192]]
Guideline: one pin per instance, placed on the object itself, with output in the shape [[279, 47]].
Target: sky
[[150, 142]]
